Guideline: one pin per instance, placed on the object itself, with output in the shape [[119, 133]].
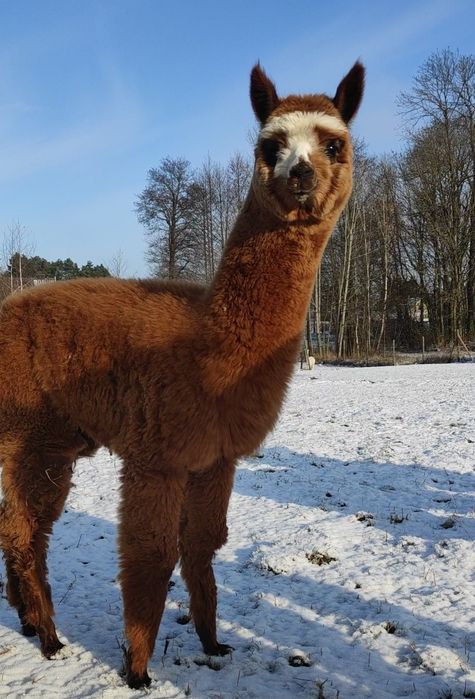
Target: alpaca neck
[[259, 297]]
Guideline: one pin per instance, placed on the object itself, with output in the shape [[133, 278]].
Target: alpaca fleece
[[179, 380]]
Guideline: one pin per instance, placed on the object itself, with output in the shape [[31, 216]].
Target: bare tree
[[201, 219], [188, 215], [439, 175], [163, 208], [16, 246], [118, 264]]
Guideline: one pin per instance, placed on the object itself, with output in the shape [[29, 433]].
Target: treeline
[[22, 271], [400, 266], [35, 267]]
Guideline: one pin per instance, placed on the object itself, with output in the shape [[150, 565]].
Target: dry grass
[[404, 358]]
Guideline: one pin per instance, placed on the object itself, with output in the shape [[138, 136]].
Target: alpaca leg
[[53, 506], [14, 596], [27, 587], [33, 499], [203, 530], [149, 521]]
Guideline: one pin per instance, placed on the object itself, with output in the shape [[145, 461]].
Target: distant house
[[9, 285], [38, 282]]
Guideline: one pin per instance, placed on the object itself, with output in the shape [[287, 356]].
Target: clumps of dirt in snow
[[365, 517], [319, 559]]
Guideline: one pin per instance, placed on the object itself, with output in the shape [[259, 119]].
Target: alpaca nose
[[302, 180], [301, 171]]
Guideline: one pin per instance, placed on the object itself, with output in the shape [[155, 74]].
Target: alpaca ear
[[264, 98], [349, 92]]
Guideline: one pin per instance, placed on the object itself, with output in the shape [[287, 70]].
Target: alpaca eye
[[270, 149], [332, 149]]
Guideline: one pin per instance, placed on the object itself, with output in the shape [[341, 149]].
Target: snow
[[370, 472]]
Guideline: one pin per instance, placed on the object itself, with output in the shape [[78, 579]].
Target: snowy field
[[350, 566]]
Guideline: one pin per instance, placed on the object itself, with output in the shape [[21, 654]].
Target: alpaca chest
[[247, 416], [230, 428]]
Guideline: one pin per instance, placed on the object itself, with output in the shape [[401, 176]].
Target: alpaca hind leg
[[148, 535], [50, 643], [26, 587], [203, 531], [34, 496], [14, 596]]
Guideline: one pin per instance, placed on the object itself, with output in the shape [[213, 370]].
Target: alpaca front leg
[[203, 531], [149, 521]]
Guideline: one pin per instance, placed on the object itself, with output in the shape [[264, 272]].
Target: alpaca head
[[304, 152]]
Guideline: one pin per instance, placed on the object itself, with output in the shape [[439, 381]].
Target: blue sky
[[95, 92]]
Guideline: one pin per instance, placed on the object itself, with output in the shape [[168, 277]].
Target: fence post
[[394, 352]]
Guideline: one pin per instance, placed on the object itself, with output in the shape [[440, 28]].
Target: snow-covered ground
[[349, 570]]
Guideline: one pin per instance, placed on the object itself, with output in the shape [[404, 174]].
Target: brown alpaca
[[179, 380]]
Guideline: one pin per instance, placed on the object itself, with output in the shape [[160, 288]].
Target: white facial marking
[[299, 128]]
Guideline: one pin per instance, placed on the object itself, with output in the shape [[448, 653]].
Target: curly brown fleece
[[179, 380]]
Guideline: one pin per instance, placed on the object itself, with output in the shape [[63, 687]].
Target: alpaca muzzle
[[301, 181]]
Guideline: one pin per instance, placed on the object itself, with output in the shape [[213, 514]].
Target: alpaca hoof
[[219, 649], [28, 630], [133, 679], [50, 648]]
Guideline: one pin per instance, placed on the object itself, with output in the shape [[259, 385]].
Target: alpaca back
[[96, 350]]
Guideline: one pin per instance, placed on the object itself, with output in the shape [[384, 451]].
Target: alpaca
[[179, 380]]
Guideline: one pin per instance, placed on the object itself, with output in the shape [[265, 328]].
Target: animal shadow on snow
[[83, 573], [403, 499], [83, 569], [341, 648]]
